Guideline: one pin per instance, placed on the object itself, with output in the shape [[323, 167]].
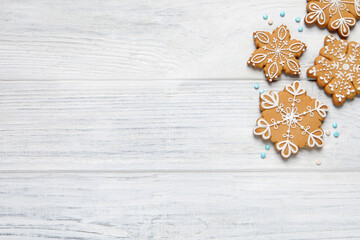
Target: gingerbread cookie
[[337, 69], [337, 15], [276, 52], [291, 119]]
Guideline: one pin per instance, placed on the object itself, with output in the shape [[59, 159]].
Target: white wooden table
[[133, 119]]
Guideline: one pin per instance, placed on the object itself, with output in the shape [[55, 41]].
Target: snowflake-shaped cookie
[[291, 119], [337, 15], [337, 68], [276, 52]]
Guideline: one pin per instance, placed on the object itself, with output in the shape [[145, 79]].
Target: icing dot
[[334, 125], [282, 13], [300, 29], [336, 134], [328, 132], [263, 155], [318, 162], [297, 19], [346, 66], [265, 16], [270, 22], [261, 91], [267, 147]]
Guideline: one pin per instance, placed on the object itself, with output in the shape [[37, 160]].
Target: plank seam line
[[149, 79], [182, 171]]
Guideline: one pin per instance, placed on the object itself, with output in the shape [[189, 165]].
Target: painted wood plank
[[200, 206], [158, 125], [181, 39]]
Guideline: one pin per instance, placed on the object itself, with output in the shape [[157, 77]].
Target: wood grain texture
[[201, 206], [157, 125], [181, 39], [133, 119]]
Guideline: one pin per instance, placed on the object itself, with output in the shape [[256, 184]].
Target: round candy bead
[[282, 13], [267, 147], [300, 29], [297, 19], [336, 134], [261, 91], [334, 125], [263, 155], [265, 16], [256, 85]]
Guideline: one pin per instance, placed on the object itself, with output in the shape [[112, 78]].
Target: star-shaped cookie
[[276, 52]]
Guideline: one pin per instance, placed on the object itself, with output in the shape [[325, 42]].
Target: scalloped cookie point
[[339, 15], [290, 118], [276, 52]]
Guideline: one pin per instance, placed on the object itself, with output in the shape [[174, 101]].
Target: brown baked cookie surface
[[336, 15], [291, 119], [276, 52], [337, 69]]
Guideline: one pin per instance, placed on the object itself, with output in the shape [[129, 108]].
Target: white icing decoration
[[273, 70], [316, 14], [270, 100], [287, 148], [357, 7], [291, 118], [263, 37], [276, 52], [258, 58], [293, 65], [340, 70], [346, 66], [342, 24], [262, 124], [320, 108], [282, 33], [316, 138], [296, 47], [295, 89]]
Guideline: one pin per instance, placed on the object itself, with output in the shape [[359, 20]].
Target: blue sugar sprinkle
[[267, 147], [265, 16], [297, 19], [336, 134], [261, 91], [263, 155], [282, 13], [256, 86], [300, 29], [334, 125]]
